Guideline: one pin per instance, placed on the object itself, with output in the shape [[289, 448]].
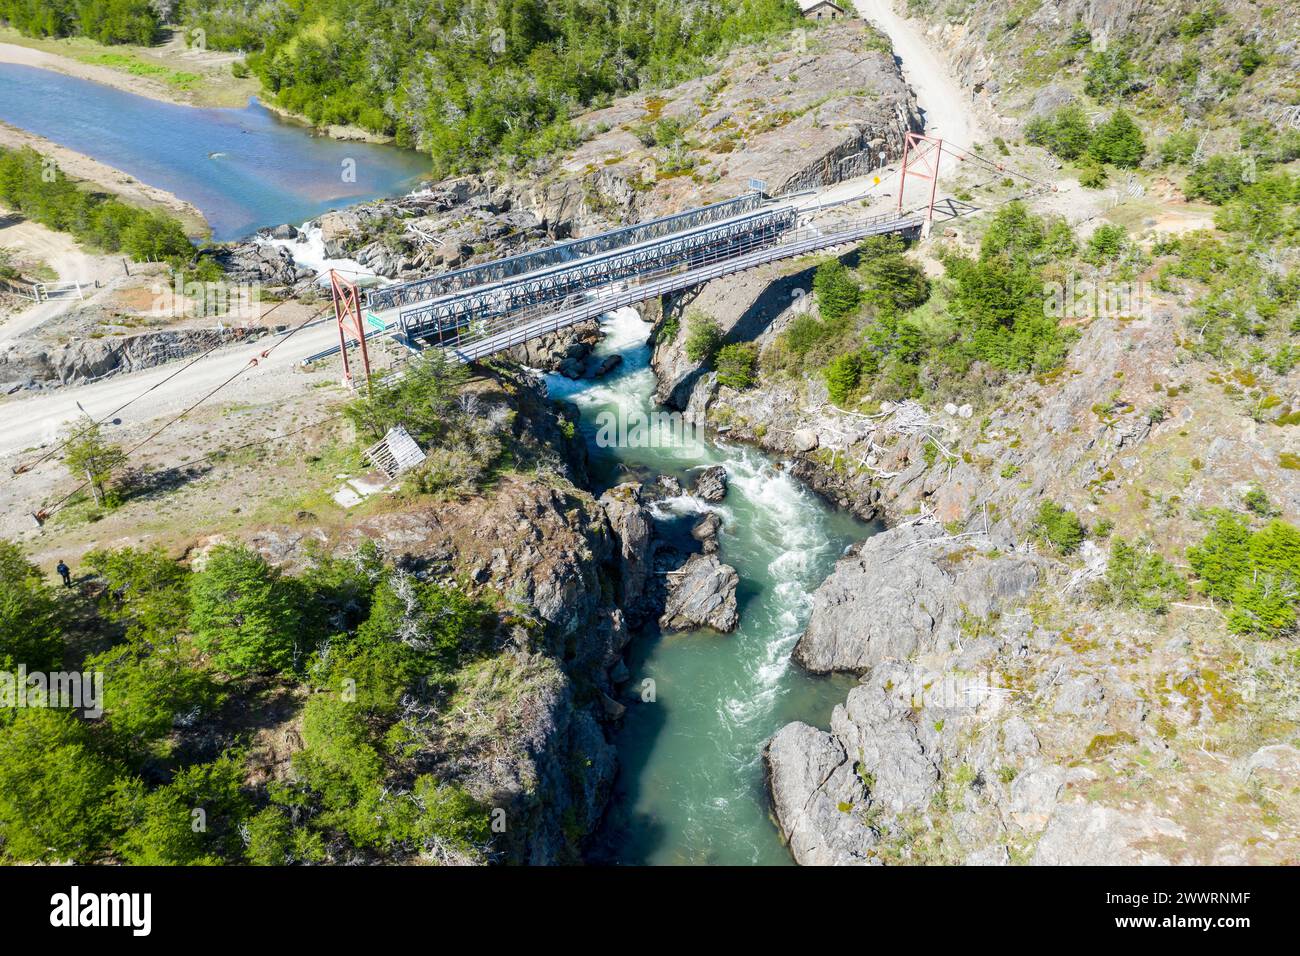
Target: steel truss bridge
[[475, 312]]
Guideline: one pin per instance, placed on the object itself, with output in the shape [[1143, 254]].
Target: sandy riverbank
[[170, 72], [80, 166], [183, 76]]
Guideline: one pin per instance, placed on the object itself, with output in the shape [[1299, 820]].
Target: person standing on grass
[[65, 572]]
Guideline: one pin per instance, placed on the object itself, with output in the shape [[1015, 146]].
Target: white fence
[[44, 291]]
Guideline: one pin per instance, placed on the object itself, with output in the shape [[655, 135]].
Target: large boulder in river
[[702, 594], [630, 522], [705, 531], [907, 591], [712, 483], [817, 797]]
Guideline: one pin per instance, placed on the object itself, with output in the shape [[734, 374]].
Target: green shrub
[[1066, 133], [890, 281], [1118, 141], [842, 376], [54, 788], [1138, 576], [422, 400], [1200, 21], [837, 294], [1255, 572], [159, 825], [93, 218], [703, 337], [1092, 174], [1259, 210], [1217, 180], [1106, 244], [1256, 501], [1057, 527], [29, 621], [1179, 148], [1108, 73], [736, 364]]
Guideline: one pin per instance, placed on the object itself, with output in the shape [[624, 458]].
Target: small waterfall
[[308, 251]]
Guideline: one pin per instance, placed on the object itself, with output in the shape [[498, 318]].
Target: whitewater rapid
[[691, 788]]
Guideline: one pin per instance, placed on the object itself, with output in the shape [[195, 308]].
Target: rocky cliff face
[[1005, 712], [529, 728], [1021, 59], [34, 363], [1027, 707], [1020, 742], [820, 111]]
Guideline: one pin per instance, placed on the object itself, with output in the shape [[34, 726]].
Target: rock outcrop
[[815, 793], [633, 530], [907, 591], [260, 263], [705, 531], [711, 484], [531, 733], [702, 594], [35, 363]]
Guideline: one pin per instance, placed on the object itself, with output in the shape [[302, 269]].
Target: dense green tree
[[1067, 133], [29, 622], [107, 21], [842, 374], [54, 788], [193, 820], [1108, 73], [475, 81], [146, 592], [1139, 576], [421, 400], [1259, 210], [1256, 572], [890, 281], [1058, 527], [737, 364], [838, 294], [1118, 141], [27, 186], [146, 693], [1217, 180], [703, 337], [90, 457], [244, 613], [1106, 244]]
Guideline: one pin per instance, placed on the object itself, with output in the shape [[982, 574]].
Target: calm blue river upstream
[[243, 168]]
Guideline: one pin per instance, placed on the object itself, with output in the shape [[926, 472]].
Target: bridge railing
[[502, 332], [554, 284], [421, 290]]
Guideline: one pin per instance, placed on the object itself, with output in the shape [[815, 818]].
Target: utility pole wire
[[29, 466], [45, 513]]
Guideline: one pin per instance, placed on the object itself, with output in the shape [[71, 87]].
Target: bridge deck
[[553, 283], [500, 270], [481, 344]]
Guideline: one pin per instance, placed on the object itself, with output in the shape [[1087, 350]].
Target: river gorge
[[691, 785]]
